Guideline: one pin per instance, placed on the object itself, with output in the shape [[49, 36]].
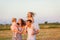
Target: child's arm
[[35, 31], [14, 28], [25, 30]]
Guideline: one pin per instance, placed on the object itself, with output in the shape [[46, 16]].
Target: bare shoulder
[[32, 26]]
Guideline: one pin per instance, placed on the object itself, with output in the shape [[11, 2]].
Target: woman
[[30, 30], [21, 25], [35, 28]]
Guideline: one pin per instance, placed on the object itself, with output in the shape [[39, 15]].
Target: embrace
[[27, 26]]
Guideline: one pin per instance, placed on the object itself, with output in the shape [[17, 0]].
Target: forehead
[[27, 21], [29, 13]]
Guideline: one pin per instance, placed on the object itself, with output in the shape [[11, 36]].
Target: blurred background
[[47, 14]]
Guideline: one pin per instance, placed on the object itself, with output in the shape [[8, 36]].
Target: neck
[[13, 22], [30, 17], [29, 26]]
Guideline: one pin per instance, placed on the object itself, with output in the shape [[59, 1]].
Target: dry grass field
[[45, 34]]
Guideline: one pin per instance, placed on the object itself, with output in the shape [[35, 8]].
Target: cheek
[[29, 14], [27, 23], [20, 21]]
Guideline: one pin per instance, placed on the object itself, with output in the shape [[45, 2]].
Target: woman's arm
[[32, 20], [20, 32]]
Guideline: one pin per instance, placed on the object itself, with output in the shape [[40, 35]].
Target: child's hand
[[25, 32], [33, 33]]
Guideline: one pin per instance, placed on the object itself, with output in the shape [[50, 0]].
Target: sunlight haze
[[46, 10]]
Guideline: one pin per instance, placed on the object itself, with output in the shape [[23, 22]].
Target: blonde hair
[[14, 19]]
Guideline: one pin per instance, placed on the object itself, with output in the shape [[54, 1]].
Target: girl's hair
[[32, 14], [14, 19], [22, 22]]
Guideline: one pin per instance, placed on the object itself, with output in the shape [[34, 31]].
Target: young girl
[[14, 29], [21, 24], [30, 30], [30, 16]]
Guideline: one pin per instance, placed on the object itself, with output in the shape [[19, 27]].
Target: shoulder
[[32, 26], [35, 26], [25, 27]]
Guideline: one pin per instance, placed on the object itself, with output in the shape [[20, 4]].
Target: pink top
[[14, 27]]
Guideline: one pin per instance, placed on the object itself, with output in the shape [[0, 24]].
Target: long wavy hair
[[22, 22]]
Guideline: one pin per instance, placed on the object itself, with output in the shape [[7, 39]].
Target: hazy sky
[[46, 10]]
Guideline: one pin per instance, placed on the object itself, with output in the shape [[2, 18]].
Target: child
[[30, 16], [14, 29], [30, 30]]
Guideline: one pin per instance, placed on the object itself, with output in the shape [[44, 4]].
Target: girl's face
[[19, 21], [29, 14]]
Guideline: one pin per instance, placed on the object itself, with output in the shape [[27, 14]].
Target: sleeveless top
[[29, 32], [19, 36]]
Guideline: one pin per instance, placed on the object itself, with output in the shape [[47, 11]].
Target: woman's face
[[29, 14], [28, 23], [19, 21]]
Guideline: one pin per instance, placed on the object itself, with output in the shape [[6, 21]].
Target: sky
[[45, 10]]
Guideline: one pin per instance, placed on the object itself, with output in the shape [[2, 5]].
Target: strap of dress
[[18, 28]]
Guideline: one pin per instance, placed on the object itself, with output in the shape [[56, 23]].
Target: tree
[[46, 22]]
